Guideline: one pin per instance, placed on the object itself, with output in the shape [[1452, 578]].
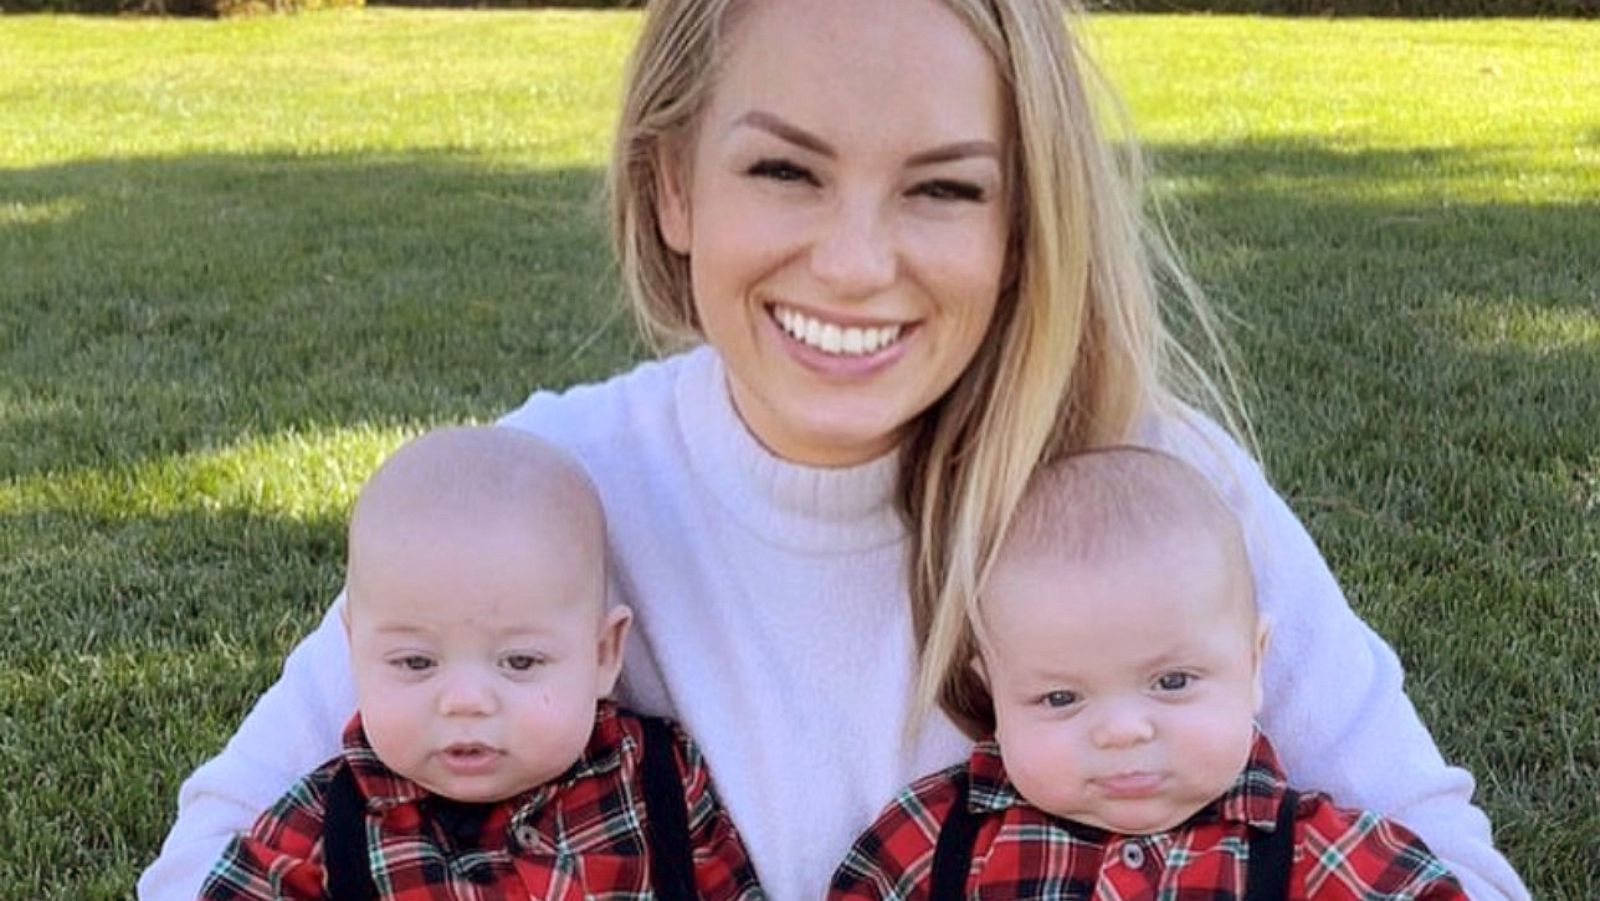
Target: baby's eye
[[520, 663], [1174, 681], [414, 663], [782, 171], [1059, 698], [950, 189]]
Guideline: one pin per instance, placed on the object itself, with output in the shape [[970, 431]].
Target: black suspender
[[344, 840], [952, 856], [1272, 856], [671, 857], [344, 829], [1266, 873]]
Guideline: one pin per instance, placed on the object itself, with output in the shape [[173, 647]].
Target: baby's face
[[478, 653], [1124, 690]]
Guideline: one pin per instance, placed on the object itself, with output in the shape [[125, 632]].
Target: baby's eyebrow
[[399, 629]]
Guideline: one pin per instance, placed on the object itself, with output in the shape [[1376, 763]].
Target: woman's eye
[[414, 663], [1059, 699], [949, 189], [1173, 681], [782, 170], [521, 663]]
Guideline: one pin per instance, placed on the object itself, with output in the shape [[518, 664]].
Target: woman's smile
[[837, 337]]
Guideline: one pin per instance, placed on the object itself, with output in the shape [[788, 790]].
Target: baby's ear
[[613, 636], [1263, 638]]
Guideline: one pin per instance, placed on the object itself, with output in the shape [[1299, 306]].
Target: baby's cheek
[[554, 726], [395, 731], [1043, 768]]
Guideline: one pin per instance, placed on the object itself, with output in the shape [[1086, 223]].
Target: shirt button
[[527, 837], [1132, 855]]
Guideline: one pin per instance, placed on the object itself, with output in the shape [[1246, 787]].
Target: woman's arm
[[1335, 706], [292, 729]]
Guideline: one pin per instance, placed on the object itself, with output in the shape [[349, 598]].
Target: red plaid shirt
[[574, 838], [1022, 852]]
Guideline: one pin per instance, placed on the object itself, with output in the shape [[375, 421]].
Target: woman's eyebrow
[[950, 153], [773, 125]]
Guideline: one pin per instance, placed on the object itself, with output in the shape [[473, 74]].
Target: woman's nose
[[854, 255]]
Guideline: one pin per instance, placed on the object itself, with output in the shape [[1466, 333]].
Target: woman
[[915, 275]]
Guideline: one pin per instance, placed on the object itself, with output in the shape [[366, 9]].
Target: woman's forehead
[[897, 66]]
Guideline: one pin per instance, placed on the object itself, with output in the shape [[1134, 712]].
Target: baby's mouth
[[470, 754]]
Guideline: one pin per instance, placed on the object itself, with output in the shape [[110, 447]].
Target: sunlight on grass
[[329, 83], [53, 211], [1473, 110], [293, 475], [1538, 330]]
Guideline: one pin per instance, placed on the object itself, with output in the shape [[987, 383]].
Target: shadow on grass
[[1360, 299], [158, 306]]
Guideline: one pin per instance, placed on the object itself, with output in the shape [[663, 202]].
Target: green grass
[[242, 260]]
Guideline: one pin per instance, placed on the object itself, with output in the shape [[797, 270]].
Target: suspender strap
[[1272, 856], [952, 856], [671, 856], [344, 841]]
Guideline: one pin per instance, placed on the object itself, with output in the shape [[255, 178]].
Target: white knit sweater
[[771, 619]]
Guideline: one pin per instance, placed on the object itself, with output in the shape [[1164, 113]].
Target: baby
[[1120, 649], [484, 760]]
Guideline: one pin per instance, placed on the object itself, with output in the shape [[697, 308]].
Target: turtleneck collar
[[804, 508]]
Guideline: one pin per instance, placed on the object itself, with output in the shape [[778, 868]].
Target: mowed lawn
[[241, 261]]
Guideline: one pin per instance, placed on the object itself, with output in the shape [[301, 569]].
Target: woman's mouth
[[836, 339]]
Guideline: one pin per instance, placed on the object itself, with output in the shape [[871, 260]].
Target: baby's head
[[1120, 642], [480, 640]]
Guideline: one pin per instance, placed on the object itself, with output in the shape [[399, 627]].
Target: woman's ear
[[672, 197], [613, 635]]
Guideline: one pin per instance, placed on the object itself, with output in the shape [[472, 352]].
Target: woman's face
[[844, 209]]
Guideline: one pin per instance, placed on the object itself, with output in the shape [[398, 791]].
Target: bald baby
[[1119, 642], [480, 639]]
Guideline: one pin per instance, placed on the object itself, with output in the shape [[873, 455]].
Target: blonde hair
[[1077, 351]]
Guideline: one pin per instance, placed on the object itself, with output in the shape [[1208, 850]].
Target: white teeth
[[831, 338]]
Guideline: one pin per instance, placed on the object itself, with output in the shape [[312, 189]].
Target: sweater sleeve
[[292, 729], [1335, 706]]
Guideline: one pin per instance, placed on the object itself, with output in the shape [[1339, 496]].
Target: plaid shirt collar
[[385, 789], [1252, 800]]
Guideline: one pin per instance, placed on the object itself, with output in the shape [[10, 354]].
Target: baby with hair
[[485, 760], [1120, 650]]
